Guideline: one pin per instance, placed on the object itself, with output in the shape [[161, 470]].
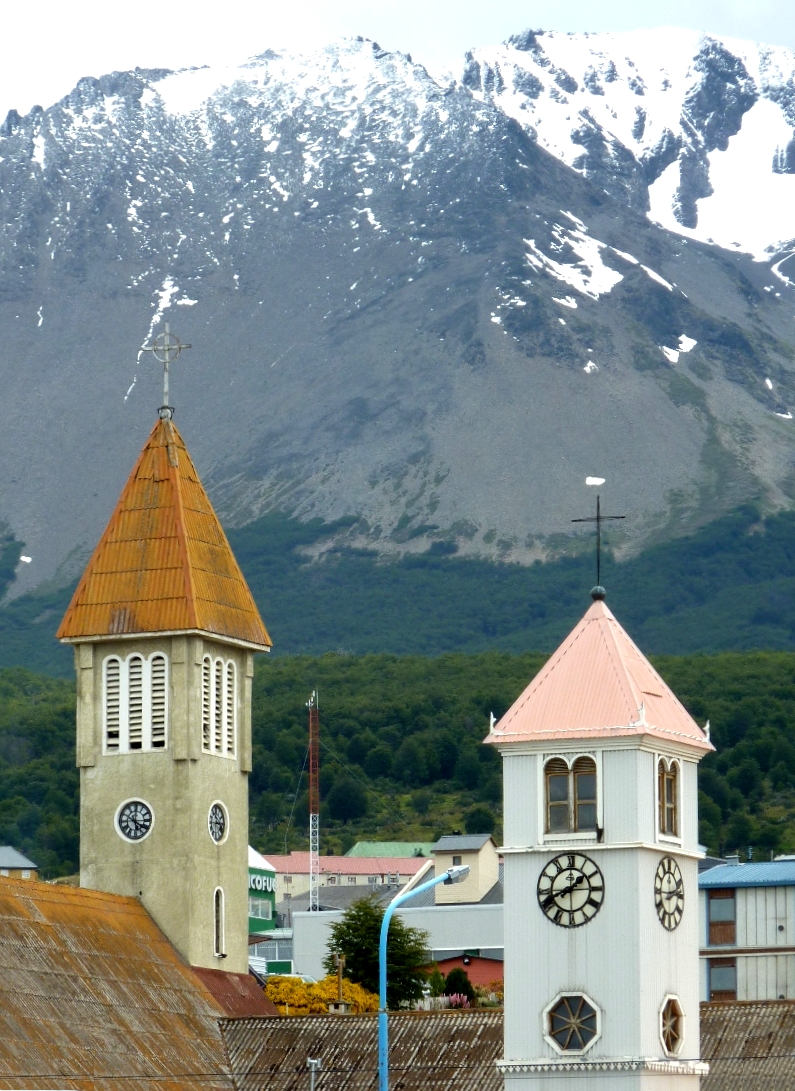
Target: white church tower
[[601, 872]]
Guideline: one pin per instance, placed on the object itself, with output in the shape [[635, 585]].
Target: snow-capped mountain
[[403, 310], [697, 131]]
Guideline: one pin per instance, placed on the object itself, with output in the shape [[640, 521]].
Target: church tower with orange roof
[[601, 872], [165, 629]]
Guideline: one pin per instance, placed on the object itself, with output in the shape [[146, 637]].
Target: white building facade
[[601, 872]]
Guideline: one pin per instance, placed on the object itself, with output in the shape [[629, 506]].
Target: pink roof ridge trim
[[598, 684]]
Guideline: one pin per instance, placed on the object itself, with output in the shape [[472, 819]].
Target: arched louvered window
[[570, 795], [218, 922], [112, 703], [668, 797], [135, 703], [219, 702], [158, 702], [229, 710]]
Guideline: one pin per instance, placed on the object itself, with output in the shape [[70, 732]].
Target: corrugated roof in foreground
[[164, 563], [750, 1046], [428, 1051], [598, 685], [763, 873], [93, 996]]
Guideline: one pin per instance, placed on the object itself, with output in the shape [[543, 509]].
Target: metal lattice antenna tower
[[314, 803], [166, 347], [598, 592]]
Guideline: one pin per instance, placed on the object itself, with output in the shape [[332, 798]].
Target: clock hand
[[553, 897]]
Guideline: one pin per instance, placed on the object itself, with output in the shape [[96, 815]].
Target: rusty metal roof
[[598, 685], [238, 994], [750, 1045], [428, 1051], [93, 996], [164, 563]]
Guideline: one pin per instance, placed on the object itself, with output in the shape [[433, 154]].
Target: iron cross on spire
[[598, 592], [165, 348]]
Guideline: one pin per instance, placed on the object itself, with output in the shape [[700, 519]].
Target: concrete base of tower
[[624, 1073]]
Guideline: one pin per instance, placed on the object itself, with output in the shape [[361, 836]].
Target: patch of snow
[[672, 355], [594, 481], [784, 416], [40, 316], [496, 318], [589, 367], [567, 301], [656, 277], [626, 257], [768, 384], [687, 344], [25, 560], [589, 275], [38, 150], [187, 302]]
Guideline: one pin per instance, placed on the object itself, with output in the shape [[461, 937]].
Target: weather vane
[[598, 592], [165, 348]]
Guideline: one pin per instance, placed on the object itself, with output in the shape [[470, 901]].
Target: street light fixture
[[452, 875]]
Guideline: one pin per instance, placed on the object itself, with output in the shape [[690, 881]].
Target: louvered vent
[[112, 703], [556, 767], [230, 709], [158, 702], [218, 707], [136, 702], [206, 702]]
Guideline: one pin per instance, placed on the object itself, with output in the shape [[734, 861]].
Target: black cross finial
[[598, 592], [165, 348]]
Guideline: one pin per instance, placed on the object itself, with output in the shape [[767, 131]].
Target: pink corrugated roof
[[598, 685], [297, 863]]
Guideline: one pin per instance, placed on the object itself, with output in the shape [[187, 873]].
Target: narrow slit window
[[218, 913], [230, 709], [112, 703], [206, 703], [135, 702], [667, 791], [158, 702]]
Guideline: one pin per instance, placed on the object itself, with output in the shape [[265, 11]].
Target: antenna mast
[[314, 803]]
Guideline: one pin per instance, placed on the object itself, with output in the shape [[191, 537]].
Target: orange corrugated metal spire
[[164, 563]]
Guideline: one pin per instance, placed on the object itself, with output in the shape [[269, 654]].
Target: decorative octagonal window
[[672, 1026], [572, 1023]]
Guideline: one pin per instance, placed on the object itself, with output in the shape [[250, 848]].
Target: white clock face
[[571, 889], [669, 893], [134, 820], [216, 822]]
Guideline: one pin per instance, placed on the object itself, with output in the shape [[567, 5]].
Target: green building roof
[[391, 848]]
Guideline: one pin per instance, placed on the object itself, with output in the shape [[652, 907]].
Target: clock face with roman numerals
[[571, 889], [669, 893]]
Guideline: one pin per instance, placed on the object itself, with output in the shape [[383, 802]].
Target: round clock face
[[571, 889], [669, 893], [134, 820], [217, 822]]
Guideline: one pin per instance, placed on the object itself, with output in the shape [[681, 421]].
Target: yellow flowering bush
[[292, 996]]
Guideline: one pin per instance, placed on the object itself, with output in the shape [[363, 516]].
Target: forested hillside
[[731, 586], [401, 754]]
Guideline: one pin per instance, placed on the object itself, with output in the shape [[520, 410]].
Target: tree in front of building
[[292, 996], [457, 983], [356, 936]]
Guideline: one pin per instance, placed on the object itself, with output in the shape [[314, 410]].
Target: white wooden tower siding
[[601, 872]]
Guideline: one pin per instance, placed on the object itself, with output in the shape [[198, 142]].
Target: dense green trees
[[356, 936]]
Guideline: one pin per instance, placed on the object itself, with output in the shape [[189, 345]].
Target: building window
[[287, 878], [456, 861], [261, 908], [672, 1026], [372, 879], [4, 871], [218, 915], [135, 703], [331, 880], [668, 797], [572, 1023], [570, 795], [722, 979], [218, 706], [722, 917], [274, 950], [351, 878]]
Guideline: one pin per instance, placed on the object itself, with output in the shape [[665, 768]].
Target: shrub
[[458, 984], [292, 996]]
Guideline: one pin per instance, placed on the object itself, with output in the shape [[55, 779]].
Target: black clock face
[[669, 893], [217, 822], [571, 889], [135, 820]]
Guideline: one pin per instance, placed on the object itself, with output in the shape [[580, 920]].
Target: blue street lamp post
[[452, 875]]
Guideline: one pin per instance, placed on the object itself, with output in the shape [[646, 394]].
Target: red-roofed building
[[292, 872]]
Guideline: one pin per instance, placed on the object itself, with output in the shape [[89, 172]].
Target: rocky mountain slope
[[403, 310]]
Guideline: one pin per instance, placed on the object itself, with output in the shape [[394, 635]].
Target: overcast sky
[[47, 47]]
